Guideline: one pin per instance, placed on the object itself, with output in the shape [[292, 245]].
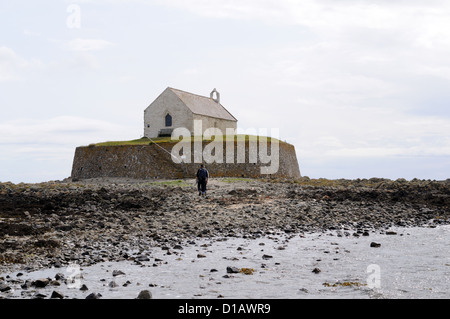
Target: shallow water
[[414, 263]]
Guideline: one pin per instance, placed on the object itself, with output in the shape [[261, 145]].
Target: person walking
[[202, 179]]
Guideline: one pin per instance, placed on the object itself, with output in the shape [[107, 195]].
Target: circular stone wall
[[155, 161]]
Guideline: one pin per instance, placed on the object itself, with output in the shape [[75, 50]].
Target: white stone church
[[175, 108]]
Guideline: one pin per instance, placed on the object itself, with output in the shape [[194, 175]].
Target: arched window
[[168, 120]]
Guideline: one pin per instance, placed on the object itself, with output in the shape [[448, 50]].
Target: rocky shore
[[54, 224]]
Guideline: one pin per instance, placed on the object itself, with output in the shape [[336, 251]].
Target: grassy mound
[[157, 140]]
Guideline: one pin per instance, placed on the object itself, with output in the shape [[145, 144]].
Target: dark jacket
[[202, 174]]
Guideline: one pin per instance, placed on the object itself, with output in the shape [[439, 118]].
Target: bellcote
[[217, 98]]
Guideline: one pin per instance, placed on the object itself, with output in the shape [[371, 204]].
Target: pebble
[[116, 273], [316, 270], [232, 270], [84, 287], [304, 290], [142, 258], [4, 288], [94, 296], [26, 284], [144, 294], [56, 295], [40, 283]]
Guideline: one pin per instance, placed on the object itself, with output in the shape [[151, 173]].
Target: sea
[[401, 263]]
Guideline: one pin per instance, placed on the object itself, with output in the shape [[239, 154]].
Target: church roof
[[203, 105]]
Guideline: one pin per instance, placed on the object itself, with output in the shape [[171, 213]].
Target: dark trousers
[[201, 186]]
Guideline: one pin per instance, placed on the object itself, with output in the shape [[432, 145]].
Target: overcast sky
[[361, 88]]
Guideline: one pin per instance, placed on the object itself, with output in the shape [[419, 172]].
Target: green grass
[[174, 183], [146, 141], [141, 141], [237, 179]]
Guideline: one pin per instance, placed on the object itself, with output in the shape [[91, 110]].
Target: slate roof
[[203, 105]]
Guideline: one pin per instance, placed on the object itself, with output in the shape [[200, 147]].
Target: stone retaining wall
[[155, 161]]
